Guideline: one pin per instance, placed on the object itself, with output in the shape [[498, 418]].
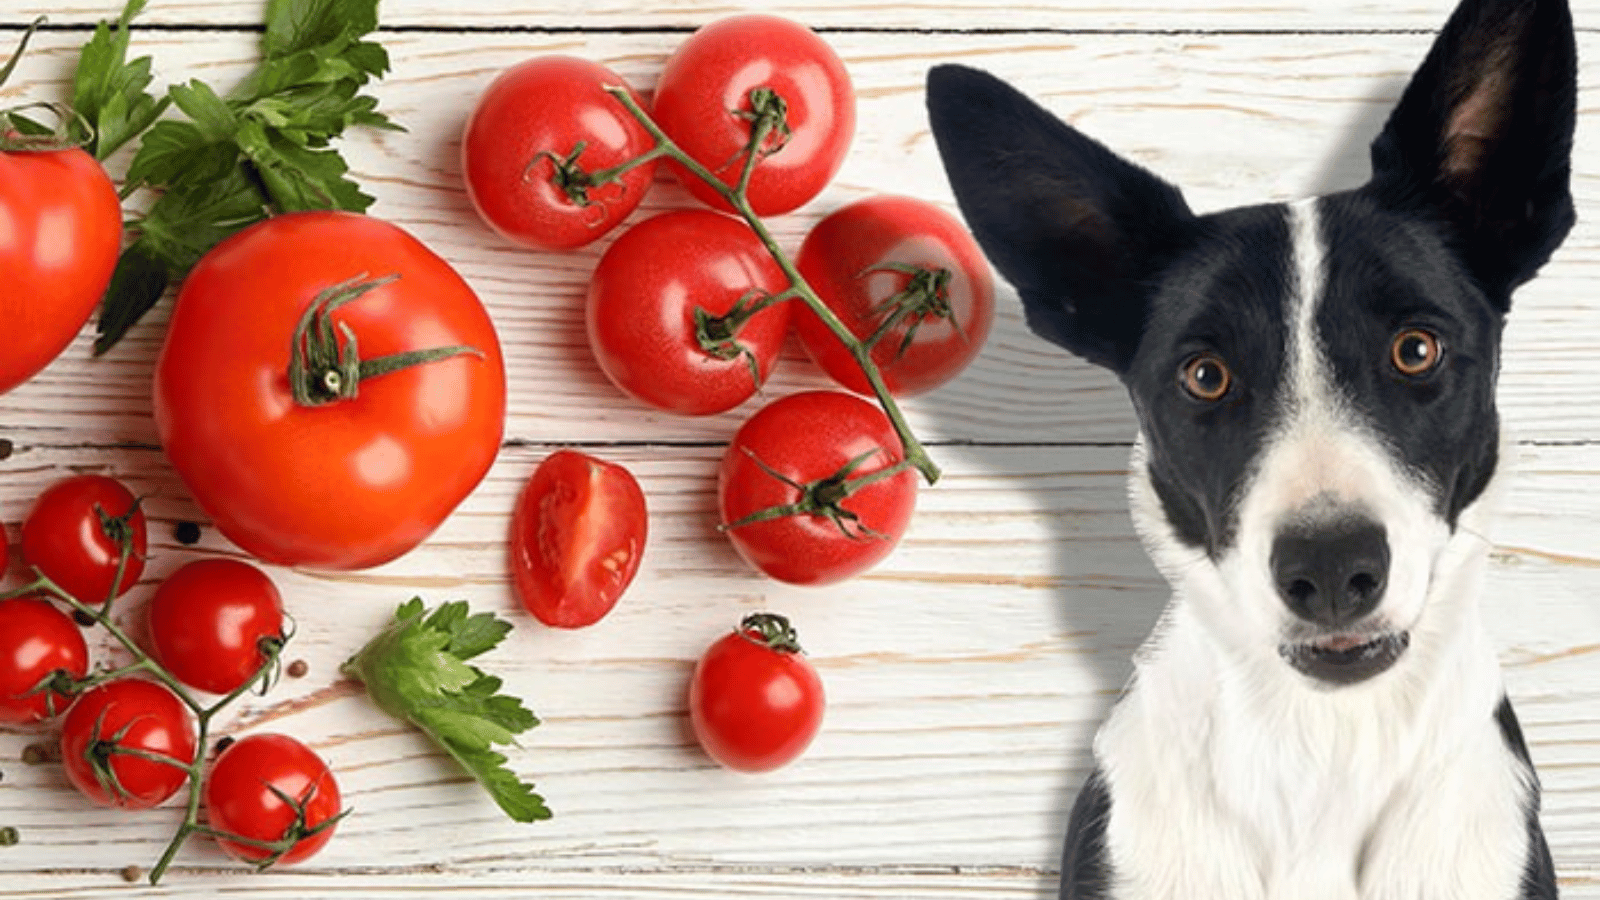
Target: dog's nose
[[1331, 573]]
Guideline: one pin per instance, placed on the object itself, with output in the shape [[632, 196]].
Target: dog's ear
[[1482, 138], [1077, 230]]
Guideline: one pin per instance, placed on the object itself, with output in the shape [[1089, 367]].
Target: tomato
[[577, 535], [755, 701], [244, 797], [526, 125], [62, 234], [115, 736], [288, 470], [674, 312], [74, 532], [37, 640], [208, 622], [806, 492], [703, 102], [886, 258]]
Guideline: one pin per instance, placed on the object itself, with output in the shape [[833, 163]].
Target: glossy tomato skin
[[754, 708], [240, 800], [65, 537], [208, 619], [707, 82], [62, 236], [806, 437], [855, 260], [134, 714], [353, 483], [548, 105], [577, 534], [641, 311], [36, 639]]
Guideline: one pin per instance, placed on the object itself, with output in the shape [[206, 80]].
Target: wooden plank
[[1233, 120], [1095, 16]]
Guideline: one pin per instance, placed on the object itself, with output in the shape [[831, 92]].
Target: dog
[[1319, 713]]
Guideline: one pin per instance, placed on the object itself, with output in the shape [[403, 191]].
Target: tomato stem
[[737, 197], [825, 496], [18, 132], [325, 365], [925, 296], [771, 630]]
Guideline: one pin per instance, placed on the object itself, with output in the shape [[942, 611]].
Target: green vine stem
[[100, 614], [763, 127]]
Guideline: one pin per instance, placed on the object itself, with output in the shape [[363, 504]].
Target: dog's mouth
[[1347, 658]]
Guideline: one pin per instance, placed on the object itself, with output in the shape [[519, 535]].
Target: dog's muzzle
[[1332, 575]]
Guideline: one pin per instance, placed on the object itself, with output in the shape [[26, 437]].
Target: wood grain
[[966, 673]]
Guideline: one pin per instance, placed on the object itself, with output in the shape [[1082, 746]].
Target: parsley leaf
[[416, 670], [234, 158]]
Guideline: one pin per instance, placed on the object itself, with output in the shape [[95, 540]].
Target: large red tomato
[[315, 472], [907, 269], [703, 102], [675, 315], [61, 232], [517, 145], [812, 488]]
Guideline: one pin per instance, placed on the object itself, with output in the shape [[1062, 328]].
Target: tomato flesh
[[577, 534]]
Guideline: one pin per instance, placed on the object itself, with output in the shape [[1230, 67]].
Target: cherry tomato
[[674, 312], [304, 469], [36, 641], [577, 535], [74, 532], [907, 269], [62, 234], [703, 102], [518, 142], [802, 488], [242, 797], [208, 622], [111, 733], [755, 701]]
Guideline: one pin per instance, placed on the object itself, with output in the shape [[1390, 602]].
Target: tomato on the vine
[[210, 623], [257, 400], [577, 535], [742, 70], [677, 312], [62, 236], [37, 640], [75, 533], [906, 275], [813, 488], [128, 743], [755, 701], [245, 795], [536, 135]]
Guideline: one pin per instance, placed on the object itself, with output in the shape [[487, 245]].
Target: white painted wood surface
[[965, 674]]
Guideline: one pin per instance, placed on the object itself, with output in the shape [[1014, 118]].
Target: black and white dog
[[1320, 713]]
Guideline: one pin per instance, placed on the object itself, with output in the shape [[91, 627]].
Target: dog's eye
[[1415, 352], [1205, 376]]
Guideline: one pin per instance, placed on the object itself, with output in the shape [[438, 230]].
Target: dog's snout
[[1331, 574]]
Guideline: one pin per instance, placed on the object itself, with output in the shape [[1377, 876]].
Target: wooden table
[[965, 674]]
